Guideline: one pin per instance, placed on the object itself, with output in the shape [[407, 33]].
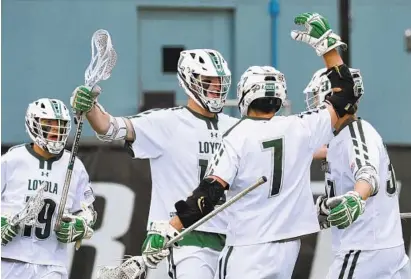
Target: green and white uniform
[[373, 245], [265, 225], [36, 249], [179, 143]]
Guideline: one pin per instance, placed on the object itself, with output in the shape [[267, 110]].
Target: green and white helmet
[[260, 82], [205, 77], [51, 138], [320, 87]]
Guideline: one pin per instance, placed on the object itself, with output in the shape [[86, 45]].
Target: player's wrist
[[176, 223]]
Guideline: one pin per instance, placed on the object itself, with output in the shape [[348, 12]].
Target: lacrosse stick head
[[132, 268], [28, 215], [103, 58]]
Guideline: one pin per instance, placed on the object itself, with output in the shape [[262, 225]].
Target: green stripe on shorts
[[210, 240]]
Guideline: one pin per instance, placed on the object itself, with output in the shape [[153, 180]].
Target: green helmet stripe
[[217, 62], [56, 109]]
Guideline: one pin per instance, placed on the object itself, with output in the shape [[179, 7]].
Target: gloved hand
[[317, 33], [345, 209], [8, 232], [322, 212], [153, 250], [73, 228], [83, 98]]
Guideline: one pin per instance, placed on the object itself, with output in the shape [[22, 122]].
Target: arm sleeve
[[226, 162], [317, 126], [84, 193], [153, 131]]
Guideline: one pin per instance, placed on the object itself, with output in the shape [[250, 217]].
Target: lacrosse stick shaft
[[405, 215], [217, 210], [100, 67], [67, 180], [69, 172]]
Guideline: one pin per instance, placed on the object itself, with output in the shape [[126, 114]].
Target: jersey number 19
[[42, 229]]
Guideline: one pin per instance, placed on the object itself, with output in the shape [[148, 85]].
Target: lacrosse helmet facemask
[[205, 77], [48, 124]]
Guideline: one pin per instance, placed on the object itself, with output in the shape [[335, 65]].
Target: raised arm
[[107, 127], [319, 35]]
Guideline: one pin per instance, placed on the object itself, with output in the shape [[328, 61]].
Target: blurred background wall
[[46, 48]]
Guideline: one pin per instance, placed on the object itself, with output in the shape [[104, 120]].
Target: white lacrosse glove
[[153, 250], [132, 268], [322, 212], [317, 33]]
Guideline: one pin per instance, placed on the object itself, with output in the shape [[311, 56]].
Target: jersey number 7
[[275, 146]]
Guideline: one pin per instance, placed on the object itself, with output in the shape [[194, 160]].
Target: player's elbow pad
[[200, 203], [369, 174], [343, 101], [117, 128], [89, 215]]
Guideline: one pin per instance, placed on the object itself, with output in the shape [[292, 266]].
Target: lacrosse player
[[179, 143], [265, 225], [367, 239], [37, 251]]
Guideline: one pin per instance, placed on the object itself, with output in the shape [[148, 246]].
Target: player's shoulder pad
[[157, 113]]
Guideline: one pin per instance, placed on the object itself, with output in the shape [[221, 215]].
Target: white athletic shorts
[[19, 270], [274, 260], [188, 262], [390, 263]]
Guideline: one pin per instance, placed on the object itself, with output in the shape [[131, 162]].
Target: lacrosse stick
[[217, 210], [136, 265], [28, 215], [132, 268], [405, 215], [103, 59]]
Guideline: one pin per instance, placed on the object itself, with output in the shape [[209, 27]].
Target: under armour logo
[[214, 134], [45, 173]]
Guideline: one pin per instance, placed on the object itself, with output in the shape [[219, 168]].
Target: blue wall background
[[46, 48]]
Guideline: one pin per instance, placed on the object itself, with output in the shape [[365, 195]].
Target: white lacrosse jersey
[[280, 148], [179, 143], [356, 145], [22, 172]]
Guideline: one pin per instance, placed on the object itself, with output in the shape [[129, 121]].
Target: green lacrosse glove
[[317, 33], [73, 228], [158, 235], [346, 209], [83, 98], [8, 232]]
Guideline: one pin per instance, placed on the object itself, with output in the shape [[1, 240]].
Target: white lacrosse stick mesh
[[28, 215], [133, 268], [103, 58]]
